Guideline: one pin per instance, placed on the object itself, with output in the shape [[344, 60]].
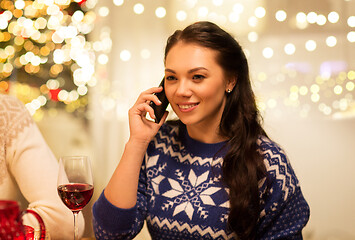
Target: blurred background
[[79, 66]]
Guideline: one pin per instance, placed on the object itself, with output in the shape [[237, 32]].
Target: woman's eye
[[170, 78], [198, 77]]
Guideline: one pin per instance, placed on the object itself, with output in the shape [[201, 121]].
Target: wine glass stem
[[76, 231]]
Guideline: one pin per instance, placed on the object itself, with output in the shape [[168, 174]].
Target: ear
[[231, 84]]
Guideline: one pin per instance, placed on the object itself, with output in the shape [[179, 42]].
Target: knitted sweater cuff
[[115, 219]]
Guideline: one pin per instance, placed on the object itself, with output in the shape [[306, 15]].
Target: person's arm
[[121, 190], [285, 212], [121, 193], [35, 170], [111, 222]]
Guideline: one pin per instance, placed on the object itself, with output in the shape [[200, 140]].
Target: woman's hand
[[142, 130], [121, 190]]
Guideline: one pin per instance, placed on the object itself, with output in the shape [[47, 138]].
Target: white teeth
[[187, 106]]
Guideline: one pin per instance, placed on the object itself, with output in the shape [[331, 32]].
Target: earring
[[229, 90]]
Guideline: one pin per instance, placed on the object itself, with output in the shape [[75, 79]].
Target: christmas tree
[[46, 59]]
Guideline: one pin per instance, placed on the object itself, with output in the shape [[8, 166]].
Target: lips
[[187, 107]]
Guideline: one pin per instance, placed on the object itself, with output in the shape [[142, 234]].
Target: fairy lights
[[268, 52], [281, 15], [160, 12], [42, 46], [49, 36], [138, 8], [290, 48], [125, 55], [324, 90], [181, 15], [311, 45]]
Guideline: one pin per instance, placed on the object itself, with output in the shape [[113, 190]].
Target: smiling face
[[195, 86]]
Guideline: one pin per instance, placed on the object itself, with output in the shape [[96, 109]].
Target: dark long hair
[[243, 166]]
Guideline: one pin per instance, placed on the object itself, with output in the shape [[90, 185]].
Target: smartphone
[[159, 110]]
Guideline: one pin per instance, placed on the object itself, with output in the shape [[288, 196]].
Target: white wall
[[322, 153]]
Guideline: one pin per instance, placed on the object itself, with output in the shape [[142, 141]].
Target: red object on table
[[29, 232], [11, 227]]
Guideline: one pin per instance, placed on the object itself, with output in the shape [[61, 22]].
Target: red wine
[[75, 195]]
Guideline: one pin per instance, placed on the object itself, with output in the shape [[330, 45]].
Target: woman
[[28, 171], [212, 174]]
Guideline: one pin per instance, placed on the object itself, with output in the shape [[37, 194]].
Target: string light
[[253, 36], [104, 11], [281, 15], [321, 19], [102, 59], [58, 39], [125, 55], [181, 15], [138, 8], [160, 12], [290, 48], [301, 20], [118, 2], [252, 21], [351, 36], [312, 17], [320, 87], [311, 45], [39, 37], [333, 17], [268, 52], [351, 21], [260, 12], [331, 41]]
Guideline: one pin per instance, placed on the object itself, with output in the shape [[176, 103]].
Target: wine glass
[[75, 184]]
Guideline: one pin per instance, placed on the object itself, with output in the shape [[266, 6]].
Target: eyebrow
[[190, 71]]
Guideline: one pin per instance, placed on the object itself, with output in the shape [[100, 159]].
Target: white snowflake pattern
[[190, 193]]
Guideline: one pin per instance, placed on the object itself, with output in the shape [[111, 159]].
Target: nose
[[183, 88]]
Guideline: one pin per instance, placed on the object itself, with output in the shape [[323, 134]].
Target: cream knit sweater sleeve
[[31, 169]]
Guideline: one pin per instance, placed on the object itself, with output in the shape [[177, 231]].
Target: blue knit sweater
[[180, 194]]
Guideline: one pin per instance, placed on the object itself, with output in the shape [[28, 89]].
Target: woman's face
[[195, 85]]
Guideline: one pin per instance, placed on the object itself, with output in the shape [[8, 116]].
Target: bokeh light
[[138, 8], [281, 15], [50, 37]]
